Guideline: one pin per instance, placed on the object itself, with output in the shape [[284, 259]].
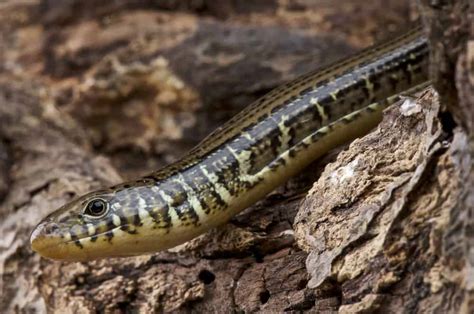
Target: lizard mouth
[[46, 241]]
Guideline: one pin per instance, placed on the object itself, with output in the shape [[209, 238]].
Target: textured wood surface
[[92, 92]]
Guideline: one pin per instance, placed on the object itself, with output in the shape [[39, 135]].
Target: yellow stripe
[[284, 136], [243, 158], [322, 113], [192, 198], [171, 210], [218, 187]]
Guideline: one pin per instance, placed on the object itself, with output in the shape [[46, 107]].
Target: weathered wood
[[372, 222], [5, 162], [452, 35], [141, 83]]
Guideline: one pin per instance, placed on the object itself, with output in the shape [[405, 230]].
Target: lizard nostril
[[51, 228], [44, 229]]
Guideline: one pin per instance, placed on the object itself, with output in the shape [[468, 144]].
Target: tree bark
[[94, 92], [452, 37]]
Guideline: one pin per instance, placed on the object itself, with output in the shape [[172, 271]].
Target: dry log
[[91, 89]]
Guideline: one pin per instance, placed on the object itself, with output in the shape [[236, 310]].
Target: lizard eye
[[96, 208]]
